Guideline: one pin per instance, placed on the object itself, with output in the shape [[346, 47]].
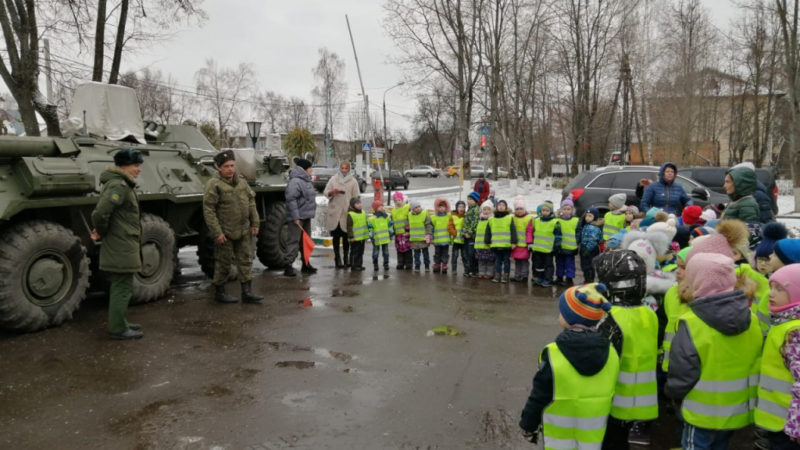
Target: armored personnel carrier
[[49, 187]]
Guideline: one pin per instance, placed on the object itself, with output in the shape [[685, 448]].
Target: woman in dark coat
[[301, 206]]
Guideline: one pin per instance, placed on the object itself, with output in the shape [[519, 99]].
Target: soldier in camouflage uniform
[[229, 208], [117, 226]]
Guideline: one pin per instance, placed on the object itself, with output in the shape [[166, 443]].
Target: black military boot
[[221, 296], [288, 271], [308, 268], [247, 294]]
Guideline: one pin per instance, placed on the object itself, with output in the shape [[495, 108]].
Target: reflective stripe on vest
[[543, 235], [724, 397], [521, 226], [636, 393], [416, 226], [674, 308], [501, 231], [760, 304], [568, 229], [458, 224], [775, 384], [360, 232], [400, 218], [480, 234], [612, 223], [380, 229], [440, 233], [577, 416]]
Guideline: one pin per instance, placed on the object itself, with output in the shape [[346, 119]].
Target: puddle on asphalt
[[310, 303], [296, 364], [344, 293], [297, 398], [285, 346]]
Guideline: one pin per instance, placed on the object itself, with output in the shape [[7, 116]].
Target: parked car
[[395, 179], [502, 172], [321, 174], [714, 178], [423, 171], [452, 171], [476, 171], [591, 189]]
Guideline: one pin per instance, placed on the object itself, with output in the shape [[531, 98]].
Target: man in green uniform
[[229, 208], [117, 227]]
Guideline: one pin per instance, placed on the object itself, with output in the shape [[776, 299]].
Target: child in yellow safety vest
[[501, 237], [441, 235], [614, 219], [566, 245], [420, 230], [380, 233], [401, 234], [456, 228], [573, 387], [483, 254], [357, 234], [523, 224], [544, 237], [778, 406], [632, 328], [715, 356]]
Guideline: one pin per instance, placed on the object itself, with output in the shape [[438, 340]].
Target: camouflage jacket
[[229, 207]]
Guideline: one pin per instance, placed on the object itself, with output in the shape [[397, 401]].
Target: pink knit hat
[[710, 274], [398, 196], [712, 243], [519, 202], [789, 278]]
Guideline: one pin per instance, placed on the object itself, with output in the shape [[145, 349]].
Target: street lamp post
[[253, 129], [389, 142]]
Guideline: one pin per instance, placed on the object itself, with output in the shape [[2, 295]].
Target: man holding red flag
[[301, 206]]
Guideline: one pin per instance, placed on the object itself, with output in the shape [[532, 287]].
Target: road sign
[[485, 130], [365, 147], [377, 152]]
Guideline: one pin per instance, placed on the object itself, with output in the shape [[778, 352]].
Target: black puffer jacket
[[586, 350]]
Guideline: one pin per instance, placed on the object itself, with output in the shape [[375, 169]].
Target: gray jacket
[[727, 313], [301, 196]]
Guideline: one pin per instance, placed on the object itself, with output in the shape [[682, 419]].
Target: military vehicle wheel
[[271, 245], [158, 260], [45, 273]]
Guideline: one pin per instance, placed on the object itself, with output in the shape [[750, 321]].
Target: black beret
[[128, 156], [223, 157]]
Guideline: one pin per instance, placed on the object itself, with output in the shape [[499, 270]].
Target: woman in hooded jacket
[[740, 184], [341, 188]]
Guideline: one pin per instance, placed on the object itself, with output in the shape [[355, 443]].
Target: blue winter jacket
[[669, 197]]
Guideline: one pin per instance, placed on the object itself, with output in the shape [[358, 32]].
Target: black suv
[[591, 189], [394, 180], [714, 178]]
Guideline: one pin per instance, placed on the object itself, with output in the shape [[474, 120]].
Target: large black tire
[[44, 274], [271, 245], [158, 260]]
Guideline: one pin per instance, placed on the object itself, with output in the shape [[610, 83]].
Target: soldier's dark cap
[[128, 156], [223, 157]]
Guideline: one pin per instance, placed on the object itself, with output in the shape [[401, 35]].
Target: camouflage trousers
[[233, 251]]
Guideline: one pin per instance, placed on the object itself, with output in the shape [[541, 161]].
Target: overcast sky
[[281, 39]]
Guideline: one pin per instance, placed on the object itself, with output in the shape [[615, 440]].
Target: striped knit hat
[[584, 305]]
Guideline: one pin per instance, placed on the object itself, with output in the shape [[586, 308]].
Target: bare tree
[[330, 88], [270, 107], [19, 66], [441, 36], [297, 114], [223, 90], [435, 124], [158, 98]]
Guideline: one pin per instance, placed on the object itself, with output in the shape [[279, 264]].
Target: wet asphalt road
[[335, 360]]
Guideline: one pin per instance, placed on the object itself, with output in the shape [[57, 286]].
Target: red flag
[[308, 246]]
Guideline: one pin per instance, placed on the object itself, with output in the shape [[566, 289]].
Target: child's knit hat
[[670, 228], [788, 250], [519, 202], [617, 200], [568, 201], [548, 204], [487, 204], [731, 234], [770, 235], [710, 274], [584, 305], [707, 215], [593, 211], [414, 203], [355, 201], [377, 204], [475, 196], [691, 215], [633, 210], [789, 278], [398, 196], [701, 231], [460, 202]]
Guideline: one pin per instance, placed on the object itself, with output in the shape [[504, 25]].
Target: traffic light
[[483, 143]]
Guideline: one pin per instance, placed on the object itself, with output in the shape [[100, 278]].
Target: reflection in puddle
[[296, 364]]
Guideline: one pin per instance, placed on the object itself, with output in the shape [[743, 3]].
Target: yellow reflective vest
[[543, 235], [636, 393], [674, 308], [380, 229], [416, 226], [569, 227], [480, 234], [458, 224], [360, 232], [612, 223], [501, 231], [400, 218], [577, 416], [521, 227], [775, 382]]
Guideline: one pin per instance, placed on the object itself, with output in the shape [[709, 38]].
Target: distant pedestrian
[[341, 188], [482, 188], [229, 209], [117, 226], [357, 234], [301, 207]]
